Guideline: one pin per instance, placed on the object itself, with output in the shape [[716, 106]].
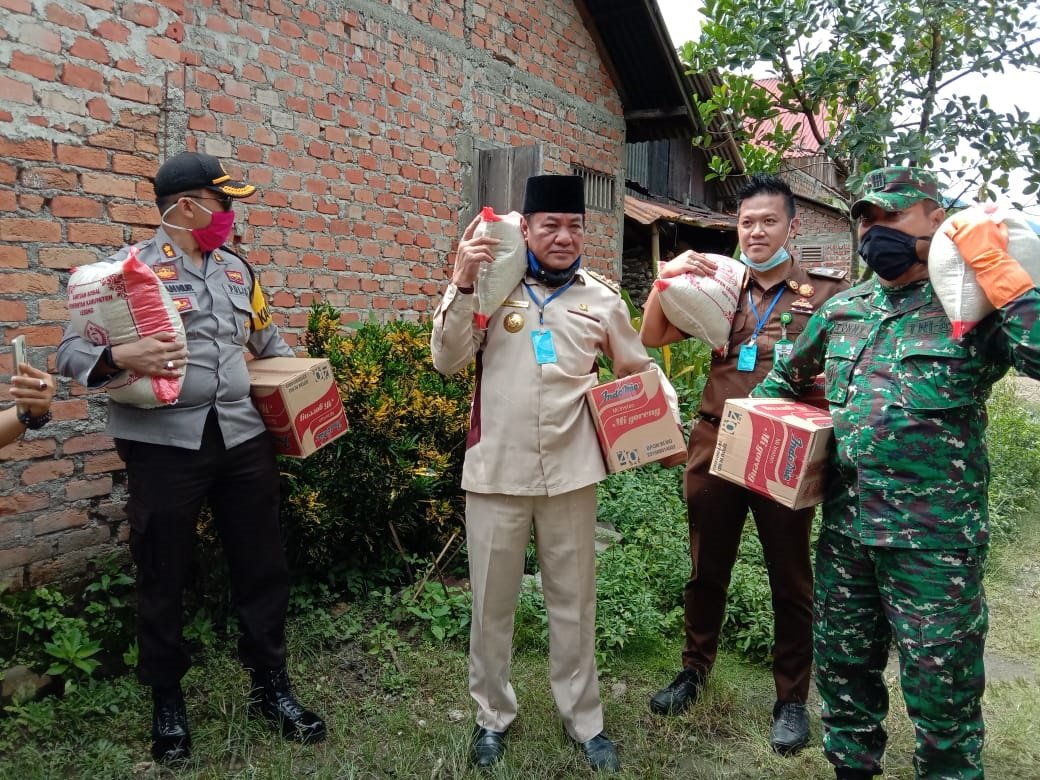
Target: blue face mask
[[781, 255], [549, 277]]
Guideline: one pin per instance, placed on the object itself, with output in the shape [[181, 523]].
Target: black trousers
[[167, 487]]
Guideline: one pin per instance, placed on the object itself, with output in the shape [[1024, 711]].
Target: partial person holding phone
[[32, 391]]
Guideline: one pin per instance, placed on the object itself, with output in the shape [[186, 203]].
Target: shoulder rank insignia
[[803, 306], [168, 250], [827, 273], [612, 285]]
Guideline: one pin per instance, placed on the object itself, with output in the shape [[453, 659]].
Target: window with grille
[[599, 189]]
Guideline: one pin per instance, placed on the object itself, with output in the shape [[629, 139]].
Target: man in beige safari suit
[[533, 458]]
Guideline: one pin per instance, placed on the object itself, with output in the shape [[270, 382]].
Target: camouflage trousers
[[933, 604]]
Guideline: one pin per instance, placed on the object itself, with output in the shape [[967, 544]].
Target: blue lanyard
[[764, 318], [542, 304]]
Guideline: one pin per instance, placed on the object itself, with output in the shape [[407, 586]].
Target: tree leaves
[[879, 83]]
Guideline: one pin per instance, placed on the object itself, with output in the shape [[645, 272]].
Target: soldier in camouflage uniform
[[904, 533]]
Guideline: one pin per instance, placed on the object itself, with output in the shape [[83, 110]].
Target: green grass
[[397, 706], [423, 731]]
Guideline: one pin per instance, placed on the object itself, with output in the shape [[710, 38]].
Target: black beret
[[556, 194], [193, 171]]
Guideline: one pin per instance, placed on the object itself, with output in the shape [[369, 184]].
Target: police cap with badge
[[197, 171]]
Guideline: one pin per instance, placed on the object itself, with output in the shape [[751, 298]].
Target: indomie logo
[[627, 389], [790, 460]]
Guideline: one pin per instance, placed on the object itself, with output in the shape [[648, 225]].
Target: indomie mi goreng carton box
[[633, 421], [299, 401], [776, 447]]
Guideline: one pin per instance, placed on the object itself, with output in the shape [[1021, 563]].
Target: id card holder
[[748, 357], [544, 349], [782, 349]]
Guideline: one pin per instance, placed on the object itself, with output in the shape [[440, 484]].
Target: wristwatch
[[34, 423], [106, 355]]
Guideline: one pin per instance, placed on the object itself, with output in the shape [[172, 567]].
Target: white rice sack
[[703, 306], [497, 279], [960, 295], [120, 302]]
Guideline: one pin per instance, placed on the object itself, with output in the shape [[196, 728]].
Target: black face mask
[[890, 253]]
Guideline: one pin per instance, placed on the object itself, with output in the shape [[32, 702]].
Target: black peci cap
[[556, 194], [193, 171]]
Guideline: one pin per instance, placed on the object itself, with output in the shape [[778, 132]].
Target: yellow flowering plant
[[391, 484]]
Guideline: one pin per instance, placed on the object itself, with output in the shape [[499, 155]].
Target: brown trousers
[[716, 510]]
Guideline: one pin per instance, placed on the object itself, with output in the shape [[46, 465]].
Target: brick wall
[[358, 124], [827, 230]]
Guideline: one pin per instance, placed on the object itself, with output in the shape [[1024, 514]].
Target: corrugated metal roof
[[805, 143], [647, 212]]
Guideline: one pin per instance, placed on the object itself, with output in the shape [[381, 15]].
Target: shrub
[[640, 579], [1013, 441], [70, 632], [390, 486]]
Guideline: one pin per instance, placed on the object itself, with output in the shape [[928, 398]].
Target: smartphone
[[18, 345]]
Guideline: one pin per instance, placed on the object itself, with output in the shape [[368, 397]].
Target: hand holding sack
[[112, 303], [703, 306], [497, 279], [981, 259]]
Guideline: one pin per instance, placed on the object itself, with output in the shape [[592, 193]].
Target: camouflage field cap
[[895, 188]]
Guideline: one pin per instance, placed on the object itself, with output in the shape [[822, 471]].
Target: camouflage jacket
[[910, 467]]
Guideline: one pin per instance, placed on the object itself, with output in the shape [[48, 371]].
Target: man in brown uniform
[[777, 300], [532, 457]]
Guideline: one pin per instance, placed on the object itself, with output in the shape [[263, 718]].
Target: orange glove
[[983, 245]]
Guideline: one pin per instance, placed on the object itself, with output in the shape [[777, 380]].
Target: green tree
[[876, 82]]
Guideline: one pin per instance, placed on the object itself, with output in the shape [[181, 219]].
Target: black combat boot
[[171, 740], [273, 698]]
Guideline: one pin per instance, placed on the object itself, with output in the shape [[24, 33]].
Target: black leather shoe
[[273, 698], [790, 732], [602, 754], [488, 747], [171, 740], [844, 773], [679, 695]]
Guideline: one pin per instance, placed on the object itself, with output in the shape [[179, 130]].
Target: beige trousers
[[498, 529]]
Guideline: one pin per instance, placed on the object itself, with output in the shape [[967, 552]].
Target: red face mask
[[215, 234], [217, 231]]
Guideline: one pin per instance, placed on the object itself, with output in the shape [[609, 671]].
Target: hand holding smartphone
[[18, 345], [18, 348]]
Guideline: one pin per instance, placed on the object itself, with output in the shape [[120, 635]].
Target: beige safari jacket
[[531, 433]]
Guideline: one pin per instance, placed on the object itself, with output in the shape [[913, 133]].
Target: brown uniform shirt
[[803, 293]]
